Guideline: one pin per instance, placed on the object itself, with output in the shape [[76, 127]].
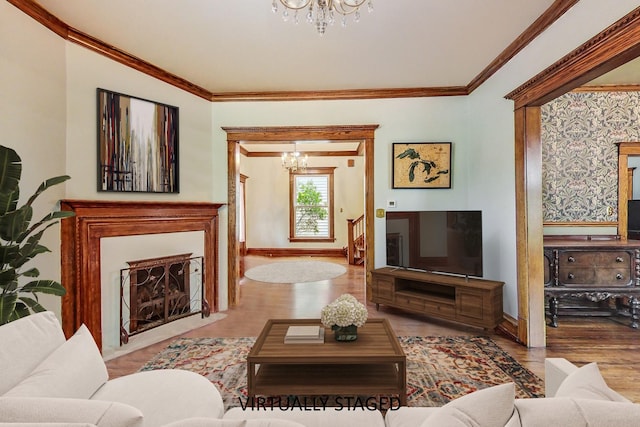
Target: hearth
[[157, 291]]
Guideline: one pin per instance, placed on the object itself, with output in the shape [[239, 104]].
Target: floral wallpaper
[[580, 156]]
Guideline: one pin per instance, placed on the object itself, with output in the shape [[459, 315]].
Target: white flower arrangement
[[344, 311]]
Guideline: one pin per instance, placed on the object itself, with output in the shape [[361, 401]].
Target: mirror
[[625, 149]]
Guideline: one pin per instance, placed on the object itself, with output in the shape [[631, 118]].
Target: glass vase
[[345, 333]]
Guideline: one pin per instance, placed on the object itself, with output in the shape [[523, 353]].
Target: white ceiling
[[242, 46]]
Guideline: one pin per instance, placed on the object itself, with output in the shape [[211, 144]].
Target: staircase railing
[[356, 246]]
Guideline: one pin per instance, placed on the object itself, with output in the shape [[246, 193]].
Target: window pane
[[311, 206]]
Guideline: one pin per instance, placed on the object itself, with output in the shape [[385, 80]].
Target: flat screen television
[[437, 241], [633, 222]]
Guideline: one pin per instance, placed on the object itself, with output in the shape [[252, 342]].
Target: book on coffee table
[[304, 334]]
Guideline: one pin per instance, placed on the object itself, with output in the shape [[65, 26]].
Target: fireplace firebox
[[157, 291]]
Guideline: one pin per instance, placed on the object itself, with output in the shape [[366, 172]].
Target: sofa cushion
[[586, 382], [57, 410], [25, 343], [188, 395], [488, 407], [570, 412], [75, 370]]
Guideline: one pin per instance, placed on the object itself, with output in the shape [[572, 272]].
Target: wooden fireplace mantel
[[93, 220]]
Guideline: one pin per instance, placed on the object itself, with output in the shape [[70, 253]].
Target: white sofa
[[575, 397], [45, 379]]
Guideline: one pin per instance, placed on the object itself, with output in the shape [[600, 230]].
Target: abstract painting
[[137, 144]]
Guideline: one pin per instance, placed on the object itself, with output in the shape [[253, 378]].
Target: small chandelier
[[322, 12], [292, 161]]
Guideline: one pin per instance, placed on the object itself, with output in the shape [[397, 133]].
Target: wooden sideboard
[[589, 276], [471, 301]]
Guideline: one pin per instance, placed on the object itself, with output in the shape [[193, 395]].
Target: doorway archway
[[236, 135], [613, 47]]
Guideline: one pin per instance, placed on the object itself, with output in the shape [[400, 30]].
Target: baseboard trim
[[508, 328], [283, 252]]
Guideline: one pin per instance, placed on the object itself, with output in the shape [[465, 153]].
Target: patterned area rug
[[439, 369], [295, 272]]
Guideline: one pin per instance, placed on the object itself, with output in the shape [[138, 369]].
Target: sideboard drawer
[[574, 274], [595, 277], [610, 259], [613, 277]]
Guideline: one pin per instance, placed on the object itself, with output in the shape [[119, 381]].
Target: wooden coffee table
[[374, 364]]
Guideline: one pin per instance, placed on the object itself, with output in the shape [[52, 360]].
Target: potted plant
[[20, 242]]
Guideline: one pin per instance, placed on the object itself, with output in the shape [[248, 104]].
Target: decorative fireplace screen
[[156, 291]]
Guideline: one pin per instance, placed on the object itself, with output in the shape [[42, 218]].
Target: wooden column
[[529, 231]]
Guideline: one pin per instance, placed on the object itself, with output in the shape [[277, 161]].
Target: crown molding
[[616, 45], [609, 88], [420, 92]]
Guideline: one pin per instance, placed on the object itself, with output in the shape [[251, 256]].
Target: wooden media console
[[472, 301]]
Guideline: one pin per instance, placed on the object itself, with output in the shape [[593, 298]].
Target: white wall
[[267, 191], [32, 120], [87, 71]]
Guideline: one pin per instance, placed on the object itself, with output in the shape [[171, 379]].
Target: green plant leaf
[[23, 257], [10, 287], [9, 201], [45, 287], [53, 216], [15, 223], [10, 169], [32, 272], [7, 254], [33, 304], [20, 310], [7, 307], [30, 249], [46, 184], [7, 277]]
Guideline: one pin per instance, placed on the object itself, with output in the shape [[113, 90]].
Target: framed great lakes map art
[[421, 165]]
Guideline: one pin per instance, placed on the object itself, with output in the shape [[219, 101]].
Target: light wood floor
[[608, 341]]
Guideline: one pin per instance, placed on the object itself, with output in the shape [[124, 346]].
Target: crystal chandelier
[[293, 161], [322, 12]]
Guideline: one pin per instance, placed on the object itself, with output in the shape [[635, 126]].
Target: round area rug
[[295, 272]]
